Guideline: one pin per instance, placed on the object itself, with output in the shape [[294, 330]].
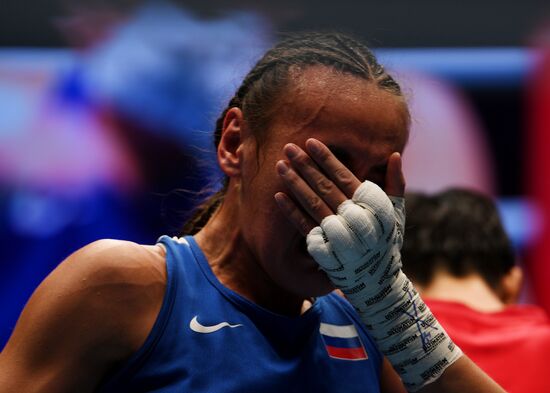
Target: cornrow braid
[[266, 82]]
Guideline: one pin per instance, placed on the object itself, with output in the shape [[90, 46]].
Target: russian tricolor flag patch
[[342, 342]]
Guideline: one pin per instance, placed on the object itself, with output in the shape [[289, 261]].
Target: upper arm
[[92, 312]]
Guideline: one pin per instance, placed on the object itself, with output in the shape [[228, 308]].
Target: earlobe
[[229, 149]]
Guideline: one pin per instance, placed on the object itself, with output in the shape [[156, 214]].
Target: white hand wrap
[[359, 249]]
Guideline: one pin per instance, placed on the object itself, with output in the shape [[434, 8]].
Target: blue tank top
[[208, 338]]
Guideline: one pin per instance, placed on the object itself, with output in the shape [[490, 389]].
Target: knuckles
[[315, 204], [325, 186], [344, 176]]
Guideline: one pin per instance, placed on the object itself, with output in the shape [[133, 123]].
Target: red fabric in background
[[512, 346], [537, 153]]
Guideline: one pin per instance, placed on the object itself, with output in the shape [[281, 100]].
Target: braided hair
[[266, 81]]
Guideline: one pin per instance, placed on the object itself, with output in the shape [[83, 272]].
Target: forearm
[[359, 249], [357, 243], [463, 376]]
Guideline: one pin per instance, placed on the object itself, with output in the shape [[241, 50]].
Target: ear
[[230, 147], [510, 285]]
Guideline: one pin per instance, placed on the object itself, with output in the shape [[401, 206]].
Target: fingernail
[[291, 150], [282, 167], [397, 154], [280, 199], [314, 145]]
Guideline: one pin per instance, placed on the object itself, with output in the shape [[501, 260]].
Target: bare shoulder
[[105, 263], [117, 254], [120, 283], [89, 315]]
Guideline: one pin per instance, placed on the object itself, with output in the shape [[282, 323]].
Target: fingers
[[314, 177], [341, 176], [320, 183], [304, 195], [395, 180], [320, 250], [302, 222], [316, 194]]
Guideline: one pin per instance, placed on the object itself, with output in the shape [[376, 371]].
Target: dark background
[[389, 23], [501, 107]]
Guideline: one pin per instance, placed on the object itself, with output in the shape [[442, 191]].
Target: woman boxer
[[310, 145]]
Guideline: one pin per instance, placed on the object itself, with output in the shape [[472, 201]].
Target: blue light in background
[[522, 220], [488, 67]]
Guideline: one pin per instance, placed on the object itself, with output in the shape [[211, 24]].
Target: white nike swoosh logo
[[197, 327]]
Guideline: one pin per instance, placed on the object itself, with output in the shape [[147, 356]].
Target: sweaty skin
[[85, 319], [96, 309], [250, 244]]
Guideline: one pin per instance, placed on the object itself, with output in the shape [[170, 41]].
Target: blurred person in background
[[312, 200], [115, 142], [459, 257]]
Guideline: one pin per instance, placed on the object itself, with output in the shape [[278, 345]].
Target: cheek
[[263, 184], [262, 216]]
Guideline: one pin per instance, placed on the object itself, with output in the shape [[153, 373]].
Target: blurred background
[[107, 108]]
